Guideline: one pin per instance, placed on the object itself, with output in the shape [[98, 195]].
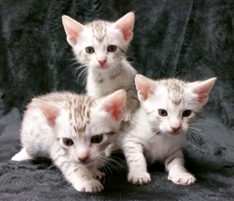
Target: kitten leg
[[137, 164], [22, 155], [78, 175], [177, 172]]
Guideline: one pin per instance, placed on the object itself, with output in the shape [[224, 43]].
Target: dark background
[[188, 39]]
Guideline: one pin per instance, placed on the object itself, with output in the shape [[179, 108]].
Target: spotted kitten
[[73, 130], [101, 47], [158, 129]]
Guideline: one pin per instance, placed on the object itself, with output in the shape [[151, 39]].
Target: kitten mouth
[[87, 163], [173, 133], [102, 67]]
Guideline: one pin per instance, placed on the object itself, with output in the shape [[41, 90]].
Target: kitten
[[73, 130], [101, 47], [158, 128]]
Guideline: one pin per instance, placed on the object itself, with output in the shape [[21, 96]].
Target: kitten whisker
[[198, 130], [107, 170], [115, 161], [117, 158], [192, 136], [111, 165], [83, 72], [202, 124], [71, 66]]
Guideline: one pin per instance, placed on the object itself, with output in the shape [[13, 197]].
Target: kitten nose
[[175, 128], [83, 159], [102, 61]]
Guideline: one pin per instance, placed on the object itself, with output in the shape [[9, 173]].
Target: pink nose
[[83, 159], [175, 128], [102, 61]]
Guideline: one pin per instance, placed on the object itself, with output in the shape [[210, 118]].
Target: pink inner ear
[[115, 111], [114, 104], [51, 116], [144, 86], [203, 88], [202, 99], [72, 29], [126, 25], [73, 36], [50, 111], [144, 92], [126, 33]]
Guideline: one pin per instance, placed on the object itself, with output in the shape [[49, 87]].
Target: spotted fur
[[73, 130], [106, 71]]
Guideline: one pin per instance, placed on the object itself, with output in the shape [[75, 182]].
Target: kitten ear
[[51, 111], [144, 87], [72, 29], [202, 89], [126, 25], [114, 104]]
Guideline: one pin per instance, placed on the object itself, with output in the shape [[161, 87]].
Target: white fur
[[47, 121], [100, 80], [142, 145]]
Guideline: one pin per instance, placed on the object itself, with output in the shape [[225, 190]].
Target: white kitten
[[158, 129], [73, 130], [101, 47]]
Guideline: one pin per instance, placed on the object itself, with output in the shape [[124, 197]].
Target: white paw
[[127, 117], [139, 178], [22, 155], [97, 174], [93, 186], [183, 178]]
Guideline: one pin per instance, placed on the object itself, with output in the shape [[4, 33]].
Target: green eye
[[111, 48], [68, 142], [187, 113], [96, 138], [162, 112], [89, 50]]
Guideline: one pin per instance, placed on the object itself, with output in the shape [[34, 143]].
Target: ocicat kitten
[[74, 131], [158, 129], [101, 46]]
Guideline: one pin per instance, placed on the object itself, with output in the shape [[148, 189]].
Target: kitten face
[[86, 143], [170, 116], [172, 104], [85, 127], [99, 44]]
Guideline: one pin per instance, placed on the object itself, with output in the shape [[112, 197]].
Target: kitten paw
[[97, 174], [184, 178], [127, 117], [93, 186], [139, 178], [22, 155]]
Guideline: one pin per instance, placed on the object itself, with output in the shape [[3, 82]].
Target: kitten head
[[85, 126], [100, 44], [172, 104]]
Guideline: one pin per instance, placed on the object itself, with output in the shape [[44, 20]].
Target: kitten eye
[[162, 112], [67, 141], [111, 48], [187, 113], [89, 50], [96, 138]]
